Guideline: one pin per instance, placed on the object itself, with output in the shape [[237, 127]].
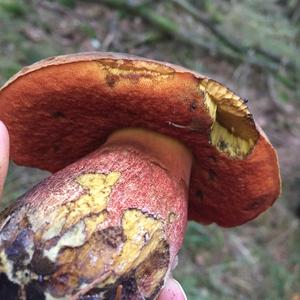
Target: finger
[[4, 154], [172, 291]]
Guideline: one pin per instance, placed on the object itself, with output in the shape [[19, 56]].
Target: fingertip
[[4, 142], [4, 153], [172, 291]]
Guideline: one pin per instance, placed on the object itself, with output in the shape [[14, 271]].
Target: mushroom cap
[[62, 108]]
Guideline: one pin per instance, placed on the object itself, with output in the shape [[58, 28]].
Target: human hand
[[4, 154], [172, 291]]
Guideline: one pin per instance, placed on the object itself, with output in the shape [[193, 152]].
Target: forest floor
[[260, 260]]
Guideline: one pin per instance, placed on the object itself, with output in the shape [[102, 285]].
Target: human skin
[[172, 289], [4, 154]]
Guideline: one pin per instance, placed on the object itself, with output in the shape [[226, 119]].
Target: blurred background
[[253, 47]]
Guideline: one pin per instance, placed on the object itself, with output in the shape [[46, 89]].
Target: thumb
[[172, 291], [4, 154]]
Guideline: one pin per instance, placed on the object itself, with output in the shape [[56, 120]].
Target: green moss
[[15, 8]]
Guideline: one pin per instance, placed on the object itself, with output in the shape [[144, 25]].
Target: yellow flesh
[[231, 132]]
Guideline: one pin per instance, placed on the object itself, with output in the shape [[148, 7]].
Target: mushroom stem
[[160, 169], [122, 209], [170, 153]]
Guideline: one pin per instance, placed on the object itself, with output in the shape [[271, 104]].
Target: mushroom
[[138, 147]]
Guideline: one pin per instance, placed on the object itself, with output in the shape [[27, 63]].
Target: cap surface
[[62, 108]]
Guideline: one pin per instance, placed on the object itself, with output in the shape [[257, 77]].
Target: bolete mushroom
[[138, 147]]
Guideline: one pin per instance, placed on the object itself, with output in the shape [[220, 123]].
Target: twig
[[119, 292], [238, 243]]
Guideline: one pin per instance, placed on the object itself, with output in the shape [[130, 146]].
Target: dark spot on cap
[[212, 158], [111, 80], [8, 290], [212, 174], [245, 100], [193, 105], [34, 291], [42, 265], [199, 194], [255, 204], [58, 115]]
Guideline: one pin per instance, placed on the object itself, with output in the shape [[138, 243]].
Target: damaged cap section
[[233, 130]]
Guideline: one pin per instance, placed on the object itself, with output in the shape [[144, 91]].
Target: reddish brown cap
[[62, 108]]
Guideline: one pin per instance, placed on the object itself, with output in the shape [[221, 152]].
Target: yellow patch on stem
[[99, 188], [143, 233], [50, 223], [81, 217]]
